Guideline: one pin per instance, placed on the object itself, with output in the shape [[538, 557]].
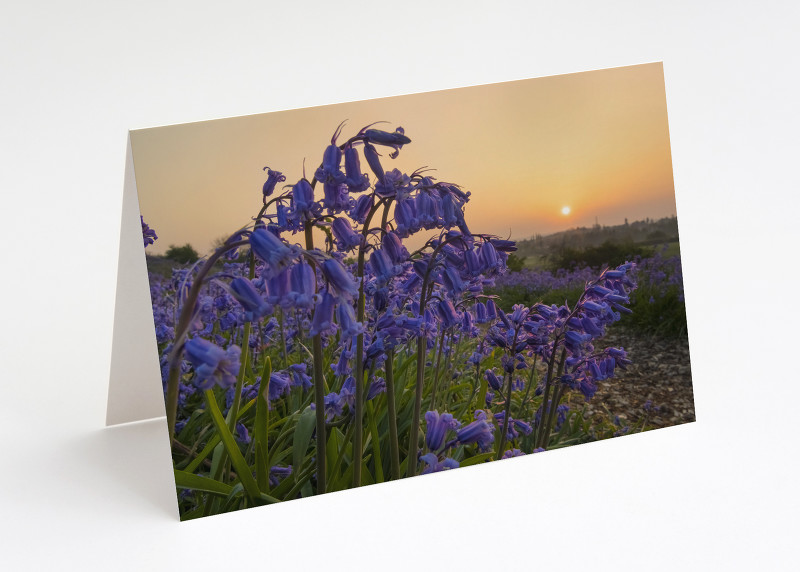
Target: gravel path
[[660, 373]]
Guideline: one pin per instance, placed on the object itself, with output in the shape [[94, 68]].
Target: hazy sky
[[596, 142]]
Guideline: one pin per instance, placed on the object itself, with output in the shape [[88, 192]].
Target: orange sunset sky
[[596, 142]]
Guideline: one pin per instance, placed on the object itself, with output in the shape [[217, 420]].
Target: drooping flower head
[[212, 364]]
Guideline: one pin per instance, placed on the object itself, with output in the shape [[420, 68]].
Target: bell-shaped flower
[[245, 293], [322, 321], [437, 427], [361, 208], [346, 238], [212, 364], [303, 285], [348, 325], [272, 250], [273, 178], [339, 279], [479, 432], [354, 178]]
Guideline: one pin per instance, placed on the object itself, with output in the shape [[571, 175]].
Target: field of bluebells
[[292, 369], [657, 304]]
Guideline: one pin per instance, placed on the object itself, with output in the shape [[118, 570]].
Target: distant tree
[[515, 263], [184, 254]]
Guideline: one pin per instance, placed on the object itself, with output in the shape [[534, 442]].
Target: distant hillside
[[642, 232]]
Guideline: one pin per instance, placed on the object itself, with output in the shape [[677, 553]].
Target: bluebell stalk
[[181, 330]]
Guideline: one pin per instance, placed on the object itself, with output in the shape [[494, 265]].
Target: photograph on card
[[362, 292]]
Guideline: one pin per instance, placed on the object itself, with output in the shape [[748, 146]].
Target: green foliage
[[515, 263], [607, 254], [183, 254]]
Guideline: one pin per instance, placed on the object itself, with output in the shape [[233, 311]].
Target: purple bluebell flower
[[279, 384], [376, 387], [273, 178], [361, 208], [340, 280], [513, 453], [434, 465], [148, 234], [437, 427], [346, 317], [272, 250], [303, 285], [346, 238], [333, 406], [212, 364], [277, 474], [395, 140], [479, 432], [393, 246], [373, 160], [491, 377], [245, 293], [355, 179], [322, 321], [242, 435]]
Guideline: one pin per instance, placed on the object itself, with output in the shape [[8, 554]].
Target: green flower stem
[[319, 390], [413, 438], [557, 394], [436, 369], [358, 421], [233, 412], [510, 377], [394, 442]]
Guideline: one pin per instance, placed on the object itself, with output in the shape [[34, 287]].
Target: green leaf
[[302, 436], [261, 429], [184, 480], [477, 459], [238, 462]]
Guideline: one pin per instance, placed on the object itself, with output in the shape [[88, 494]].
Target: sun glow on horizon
[[565, 210]]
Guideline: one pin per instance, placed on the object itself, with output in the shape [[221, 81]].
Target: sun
[[565, 210]]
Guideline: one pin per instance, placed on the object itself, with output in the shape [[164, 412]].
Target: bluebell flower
[[245, 293], [303, 205], [303, 285], [322, 322], [277, 474], [395, 140], [434, 465], [373, 160], [212, 364], [279, 384], [329, 171], [148, 234], [272, 250], [437, 427], [346, 238], [273, 178], [491, 377], [339, 279], [242, 435], [376, 387], [361, 208], [513, 453], [355, 179], [347, 394], [346, 317], [393, 246], [479, 432], [333, 406]]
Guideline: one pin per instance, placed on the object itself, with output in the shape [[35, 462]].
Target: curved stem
[[181, 330]]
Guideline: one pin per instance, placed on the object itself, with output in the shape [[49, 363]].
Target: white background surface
[[720, 493]]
